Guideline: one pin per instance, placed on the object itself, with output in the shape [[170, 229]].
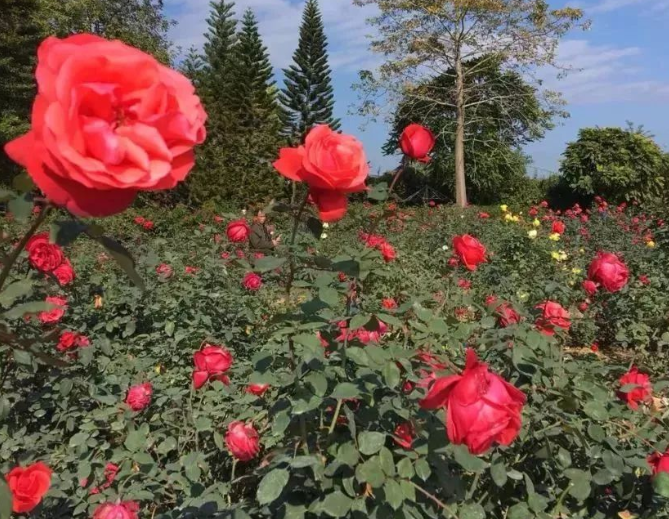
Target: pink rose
[[139, 396], [252, 281], [607, 270], [122, 510]]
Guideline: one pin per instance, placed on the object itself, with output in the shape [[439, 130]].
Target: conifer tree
[[308, 95], [193, 67]]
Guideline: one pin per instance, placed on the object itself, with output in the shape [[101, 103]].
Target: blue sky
[[623, 62]]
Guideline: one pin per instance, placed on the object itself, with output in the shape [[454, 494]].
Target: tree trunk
[[460, 184]]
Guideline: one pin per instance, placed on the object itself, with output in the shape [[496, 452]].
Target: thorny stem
[[432, 497], [22, 244]]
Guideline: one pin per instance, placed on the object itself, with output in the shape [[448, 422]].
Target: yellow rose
[[504, 208], [508, 217], [532, 234], [555, 255], [554, 236], [536, 223], [576, 271], [650, 244]]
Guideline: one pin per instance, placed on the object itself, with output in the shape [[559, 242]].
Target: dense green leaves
[[272, 485]]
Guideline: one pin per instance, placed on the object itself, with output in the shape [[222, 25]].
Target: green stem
[[336, 415], [291, 252], [22, 244], [433, 498], [472, 487]]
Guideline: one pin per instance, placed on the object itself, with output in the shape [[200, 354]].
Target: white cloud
[[608, 6], [279, 21], [603, 73]]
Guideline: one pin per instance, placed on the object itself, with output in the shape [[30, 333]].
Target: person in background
[[261, 239]]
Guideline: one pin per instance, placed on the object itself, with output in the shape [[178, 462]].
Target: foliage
[[505, 115], [581, 452], [619, 164], [307, 97]]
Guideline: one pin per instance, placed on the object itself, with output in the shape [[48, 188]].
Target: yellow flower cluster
[[554, 236], [559, 255]]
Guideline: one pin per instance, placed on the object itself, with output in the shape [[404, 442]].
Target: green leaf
[[6, 195], [123, 258], [405, 468], [661, 484], [387, 462], [392, 375], [471, 511], [5, 500], [359, 320], [422, 469], [345, 390], [268, 263], [408, 490], [329, 296], [318, 382], [596, 410], [21, 207], [23, 183], [579, 486], [15, 291], [33, 307], [596, 432], [272, 485], [498, 474], [394, 495], [379, 192], [371, 472], [348, 454], [519, 511], [337, 504], [136, 441], [468, 461], [371, 442], [300, 462], [64, 233]]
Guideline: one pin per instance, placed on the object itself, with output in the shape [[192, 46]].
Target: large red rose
[[552, 316], [332, 164], [641, 393], [659, 462], [417, 142], [607, 270], [481, 407], [108, 121], [139, 396], [28, 485], [238, 231], [470, 251], [242, 440], [211, 362], [42, 254]]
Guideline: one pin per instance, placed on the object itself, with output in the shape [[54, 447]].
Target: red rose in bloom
[[643, 279], [659, 462], [552, 316], [64, 273], [404, 435], [238, 231], [417, 142], [42, 254], [225, 255], [590, 287], [122, 510], [389, 303], [191, 270], [583, 306], [148, 225], [332, 164], [533, 211], [257, 389], [484, 216], [211, 363], [252, 281], [465, 284], [164, 270], [258, 255], [71, 340], [641, 393], [139, 396], [240, 253], [242, 440], [558, 227], [506, 315], [491, 299], [544, 204], [607, 270], [127, 124], [139, 220], [55, 314], [470, 251], [453, 262], [482, 408], [388, 252], [28, 485]]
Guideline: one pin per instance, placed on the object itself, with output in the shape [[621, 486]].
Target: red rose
[[64, 273], [484, 216], [242, 440], [659, 462], [388, 252], [211, 362], [583, 306], [491, 299], [70, 340], [590, 287], [389, 303], [257, 389], [506, 315], [552, 316], [56, 314], [607, 270], [643, 279], [238, 231], [148, 225], [240, 253], [42, 254], [641, 393], [191, 270], [482, 408], [470, 251], [28, 485], [404, 435], [464, 284], [139, 396], [164, 270], [417, 142], [453, 261], [594, 347], [128, 124], [332, 164], [139, 220], [558, 227], [252, 281], [122, 510]]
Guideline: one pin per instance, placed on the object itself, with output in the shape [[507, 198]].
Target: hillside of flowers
[[370, 359]]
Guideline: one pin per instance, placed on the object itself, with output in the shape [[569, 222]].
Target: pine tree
[[193, 67], [308, 94], [221, 38]]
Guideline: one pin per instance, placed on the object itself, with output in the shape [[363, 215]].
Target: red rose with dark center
[[404, 435]]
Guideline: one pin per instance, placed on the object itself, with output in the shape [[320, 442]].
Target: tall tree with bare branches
[[423, 39]]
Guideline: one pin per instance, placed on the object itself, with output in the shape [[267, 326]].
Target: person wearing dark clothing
[[261, 239]]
